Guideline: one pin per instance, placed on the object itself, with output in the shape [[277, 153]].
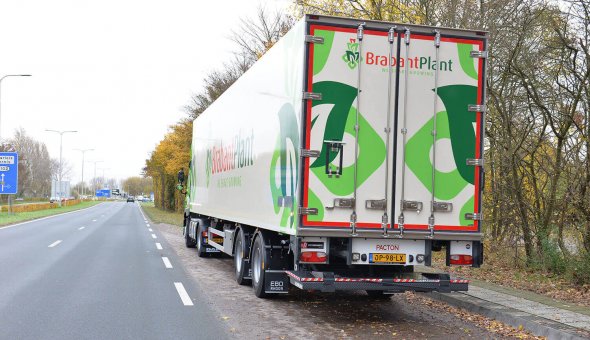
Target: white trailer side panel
[[245, 152]]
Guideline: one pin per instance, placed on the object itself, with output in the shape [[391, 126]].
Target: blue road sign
[[8, 173], [103, 193]]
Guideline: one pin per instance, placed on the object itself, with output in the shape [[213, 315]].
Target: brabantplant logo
[[352, 56], [230, 155]]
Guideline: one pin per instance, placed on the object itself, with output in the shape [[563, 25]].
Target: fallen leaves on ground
[[491, 325]]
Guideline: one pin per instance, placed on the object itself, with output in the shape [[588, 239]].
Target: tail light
[[461, 260], [204, 234], [313, 257]]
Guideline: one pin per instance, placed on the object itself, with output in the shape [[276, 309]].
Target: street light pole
[[8, 75], [61, 135], [83, 152], [94, 184]]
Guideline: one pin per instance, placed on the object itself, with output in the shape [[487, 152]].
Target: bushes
[[552, 258], [575, 268], [580, 273]]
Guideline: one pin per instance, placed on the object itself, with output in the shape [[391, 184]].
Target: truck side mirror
[[181, 176]]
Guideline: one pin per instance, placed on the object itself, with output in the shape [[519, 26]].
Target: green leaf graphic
[[342, 120], [456, 99]]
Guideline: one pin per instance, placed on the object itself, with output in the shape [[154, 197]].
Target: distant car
[[130, 199]]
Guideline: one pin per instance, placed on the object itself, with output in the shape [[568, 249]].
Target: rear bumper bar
[[326, 282]]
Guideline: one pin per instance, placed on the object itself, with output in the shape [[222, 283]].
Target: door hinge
[[312, 95], [412, 206], [314, 39], [478, 54], [308, 211], [476, 108], [310, 153], [344, 203], [474, 216], [376, 204], [475, 161], [442, 206]]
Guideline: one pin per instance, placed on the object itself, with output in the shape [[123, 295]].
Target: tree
[[35, 169]]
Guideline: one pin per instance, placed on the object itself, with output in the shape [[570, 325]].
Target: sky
[[117, 71]]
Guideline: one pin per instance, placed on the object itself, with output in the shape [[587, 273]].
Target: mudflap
[[276, 282], [248, 270]]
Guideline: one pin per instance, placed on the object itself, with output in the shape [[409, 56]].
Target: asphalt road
[[98, 274]]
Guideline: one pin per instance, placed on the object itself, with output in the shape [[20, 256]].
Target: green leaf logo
[[352, 57]]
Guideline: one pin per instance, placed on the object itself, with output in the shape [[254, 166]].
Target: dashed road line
[[158, 246], [150, 229], [167, 263], [93, 220], [147, 225], [54, 244], [154, 236], [81, 228], [186, 300]]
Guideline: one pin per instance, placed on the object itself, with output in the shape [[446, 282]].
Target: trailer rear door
[[356, 78]]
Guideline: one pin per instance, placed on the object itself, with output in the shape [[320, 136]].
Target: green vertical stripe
[[466, 61], [321, 52]]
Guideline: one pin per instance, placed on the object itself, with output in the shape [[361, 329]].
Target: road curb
[[536, 325]]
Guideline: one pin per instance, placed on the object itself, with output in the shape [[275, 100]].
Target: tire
[[239, 260], [199, 241], [188, 241], [378, 295], [257, 263]]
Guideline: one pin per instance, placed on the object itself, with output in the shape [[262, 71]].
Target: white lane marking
[[54, 244], [186, 300], [158, 246], [154, 236], [150, 229], [147, 225], [167, 263], [48, 217], [93, 220], [81, 228]]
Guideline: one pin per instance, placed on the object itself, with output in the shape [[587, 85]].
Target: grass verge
[[6, 219], [161, 216]]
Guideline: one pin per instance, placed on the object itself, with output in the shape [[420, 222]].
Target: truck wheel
[[239, 260], [258, 267], [188, 241], [378, 295], [199, 241]]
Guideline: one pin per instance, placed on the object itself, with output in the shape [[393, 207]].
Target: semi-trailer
[[343, 158]]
